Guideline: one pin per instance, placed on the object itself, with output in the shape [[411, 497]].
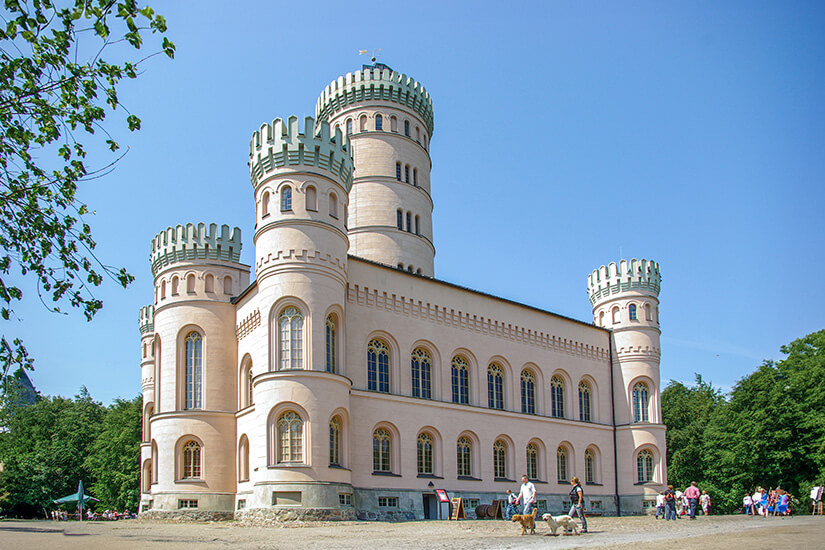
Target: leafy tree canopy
[[61, 63]]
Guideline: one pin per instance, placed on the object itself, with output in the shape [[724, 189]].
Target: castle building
[[346, 380]]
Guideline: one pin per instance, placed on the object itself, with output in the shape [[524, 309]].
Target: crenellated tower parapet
[[279, 145], [635, 275], [146, 319], [375, 83], [190, 242]]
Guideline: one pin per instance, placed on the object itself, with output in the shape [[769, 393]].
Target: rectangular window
[[242, 504], [398, 171], [286, 498], [597, 504], [407, 128], [648, 504], [187, 504], [409, 222], [400, 220], [345, 499], [388, 502], [471, 503], [541, 506], [407, 174]]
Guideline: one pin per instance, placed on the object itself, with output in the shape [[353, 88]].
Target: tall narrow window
[[191, 460], [249, 400], [601, 318], [175, 285], [495, 386], [460, 376], [589, 467], [640, 402], [528, 393], [290, 438], [532, 461], [556, 397], [163, 290], [333, 205], [463, 457], [243, 459], [561, 464], [400, 219], [265, 205], [363, 123], [584, 401], [499, 460], [421, 364], [398, 171], [407, 173], [379, 122], [194, 370], [290, 330], [407, 128], [425, 454], [417, 225], [615, 315], [644, 466], [190, 284], [631, 312], [393, 124], [418, 134], [381, 443], [378, 366], [415, 177], [648, 316], [286, 199], [332, 344], [312, 199], [349, 126], [246, 385], [227, 285], [209, 283], [334, 442], [409, 222]]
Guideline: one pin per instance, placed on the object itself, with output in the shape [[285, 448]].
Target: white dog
[[565, 522]]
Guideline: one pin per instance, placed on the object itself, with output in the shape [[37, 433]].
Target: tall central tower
[[388, 118]]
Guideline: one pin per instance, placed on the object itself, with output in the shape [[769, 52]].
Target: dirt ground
[[628, 533]]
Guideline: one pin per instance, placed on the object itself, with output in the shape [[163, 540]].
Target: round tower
[[146, 325], [625, 300], [299, 389], [388, 118], [197, 271]]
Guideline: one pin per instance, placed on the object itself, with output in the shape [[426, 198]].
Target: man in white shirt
[[660, 505], [756, 502], [527, 495], [679, 503], [747, 502]]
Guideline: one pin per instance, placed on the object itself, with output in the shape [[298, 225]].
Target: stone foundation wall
[[186, 516], [260, 517]]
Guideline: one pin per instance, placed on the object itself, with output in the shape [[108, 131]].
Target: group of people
[[775, 502], [107, 515], [673, 503], [525, 501]]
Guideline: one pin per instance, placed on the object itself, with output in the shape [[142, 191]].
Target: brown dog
[[528, 522]]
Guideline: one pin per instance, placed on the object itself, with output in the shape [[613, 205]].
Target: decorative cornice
[[634, 275], [192, 242]]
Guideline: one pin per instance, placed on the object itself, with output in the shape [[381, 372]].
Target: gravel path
[[628, 533]]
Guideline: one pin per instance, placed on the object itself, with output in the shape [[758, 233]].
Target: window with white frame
[[291, 340]]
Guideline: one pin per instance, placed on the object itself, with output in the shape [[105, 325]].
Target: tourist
[[670, 503], [527, 495], [512, 505], [705, 501], [680, 508], [577, 502], [756, 501], [763, 503], [660, 505], [692, 495], [747, 504]]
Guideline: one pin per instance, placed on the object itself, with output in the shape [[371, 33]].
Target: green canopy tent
[[80, 497]]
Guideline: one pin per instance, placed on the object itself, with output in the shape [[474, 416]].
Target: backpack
[[574, 495]]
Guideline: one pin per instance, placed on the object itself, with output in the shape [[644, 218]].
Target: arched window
[[378, 366], [415, 177], [381, 446], [227, 285], [290, 438], [601, 318], [245, 385], [561, 464], [589, 466], [209, 283], [556, 397], [163, 290], [409, 222], [417, 134], [249, 400], [463, 457], [495, 386], [147, 418], [286, 199], [644, 466], [584, 401], [363, 123], [421, 364], [334, 442], [399, 219], [349, 126], [528, 393], [407, 173], [615, 315], [191, 460], [146, 475], [393, 124], [265, 205], [243, 459], [175, 285], [640, 402], [193, 375], [291, 339], [379, 122], [499, 459], [425, 454], [190, 284], [532, 461], [631, 311], [312, 198], [333, 205], [332, 344], [407, 128], [648, 316], [460, 376], [417, 225], [398, 171]]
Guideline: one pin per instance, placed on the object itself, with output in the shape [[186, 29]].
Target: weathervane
[[375, 53]]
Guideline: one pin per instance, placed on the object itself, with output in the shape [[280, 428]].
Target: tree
[[55, 91], [114, 457]]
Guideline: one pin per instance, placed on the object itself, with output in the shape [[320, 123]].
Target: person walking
[[527, 495], [692, 495], [670, 503], [512, 506], [704, 500], [577, 502], [660, 505]]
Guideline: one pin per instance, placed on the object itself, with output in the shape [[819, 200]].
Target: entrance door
[[430, 507]]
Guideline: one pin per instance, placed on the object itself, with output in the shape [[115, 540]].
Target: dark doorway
[[430, 507]]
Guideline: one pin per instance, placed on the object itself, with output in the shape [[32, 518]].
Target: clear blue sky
[[566, 135]]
